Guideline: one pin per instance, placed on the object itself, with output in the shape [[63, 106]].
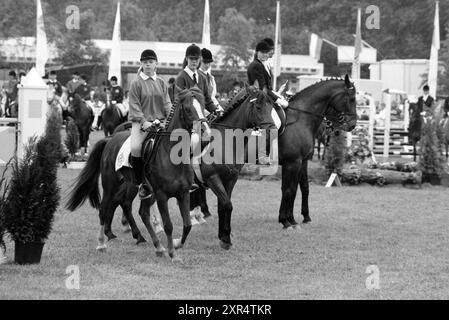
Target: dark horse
[[414, 127], [111, 118], [333, 99], [83, 117], [167, 178], [249, 109]]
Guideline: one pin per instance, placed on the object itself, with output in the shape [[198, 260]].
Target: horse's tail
[[87, 182]]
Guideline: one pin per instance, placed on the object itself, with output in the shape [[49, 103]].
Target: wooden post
[[372, 115], [387, 126]]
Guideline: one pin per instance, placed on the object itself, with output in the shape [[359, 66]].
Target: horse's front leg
[[144, 212], [184, 206], [224, 210], [162, 203], [290, 179]]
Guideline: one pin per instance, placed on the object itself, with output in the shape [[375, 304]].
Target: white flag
[[277, 46], [357, 47], [315, 46], [115, 57], [433, 62], [41, 41], [206, 26]]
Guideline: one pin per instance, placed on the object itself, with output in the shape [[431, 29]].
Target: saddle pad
[[282, 117], [122, 159]]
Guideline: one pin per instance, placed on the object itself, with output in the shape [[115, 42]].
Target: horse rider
[[74, 83], [149, 104], [11, 92], [117, 96], [205, 69], [425, 101], [190, 77], [258, 74], [53, 81]]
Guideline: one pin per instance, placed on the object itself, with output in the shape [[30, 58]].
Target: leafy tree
[[236, 33]]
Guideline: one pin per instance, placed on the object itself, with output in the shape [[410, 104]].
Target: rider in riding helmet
[[117, 96], [259, 75], [190, 76], [149, 104]]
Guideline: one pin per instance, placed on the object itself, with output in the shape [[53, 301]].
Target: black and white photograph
[[226, 155]]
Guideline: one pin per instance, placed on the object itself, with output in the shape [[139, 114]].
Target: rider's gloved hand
[[282, 102], [219, 108], [114, 102], [146, 125]]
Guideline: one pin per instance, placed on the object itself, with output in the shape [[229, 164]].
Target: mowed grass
[[404, 232]]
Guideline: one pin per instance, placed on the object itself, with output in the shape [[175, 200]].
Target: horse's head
[[341, 107], [258, 107], [77, 100], [191, 105]]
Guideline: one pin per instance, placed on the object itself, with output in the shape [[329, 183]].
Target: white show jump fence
[[31, 121]]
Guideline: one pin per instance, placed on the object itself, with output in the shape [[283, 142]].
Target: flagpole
[[206, 26], [357, 48], [277, 46], [115, 57], [432, 80], [41, 40]]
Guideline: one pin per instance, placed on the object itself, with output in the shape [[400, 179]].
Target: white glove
[[114, 102], [423, 113], [282, 102], [219, 108]]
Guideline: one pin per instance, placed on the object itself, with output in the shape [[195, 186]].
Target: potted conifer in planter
[[431, 161], [3, 192], [33, 195]]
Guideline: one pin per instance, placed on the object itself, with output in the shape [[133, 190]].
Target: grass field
[[404, 232]]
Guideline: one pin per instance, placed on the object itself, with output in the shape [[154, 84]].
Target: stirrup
[[144, 192], [194, 187]]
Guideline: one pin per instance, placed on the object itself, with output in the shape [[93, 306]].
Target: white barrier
[[33, 109]]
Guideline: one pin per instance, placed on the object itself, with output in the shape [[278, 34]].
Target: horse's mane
[[312, 87], [240, 97], [186, 96]]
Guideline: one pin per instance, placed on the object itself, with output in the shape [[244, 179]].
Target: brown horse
[[111, 118], [332, 99], [250, 109], [167, 178], [83, 117], [414, 127]]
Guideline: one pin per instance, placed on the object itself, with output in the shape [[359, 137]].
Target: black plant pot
[[433, 178], [28, 253]]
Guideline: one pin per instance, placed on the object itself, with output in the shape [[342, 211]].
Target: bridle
[[326, 116]]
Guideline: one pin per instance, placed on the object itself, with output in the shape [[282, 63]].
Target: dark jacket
[[256, 71], [84, 91], [184, 81], [117, 94], [57, 85], [422, 103]]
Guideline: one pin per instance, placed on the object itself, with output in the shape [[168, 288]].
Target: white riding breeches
[[276, 119]]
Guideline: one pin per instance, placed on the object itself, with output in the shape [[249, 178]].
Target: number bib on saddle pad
[[124, 153], [122, 159]]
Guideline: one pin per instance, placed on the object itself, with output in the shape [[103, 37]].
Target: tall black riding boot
[[99, 120], [144, 189]]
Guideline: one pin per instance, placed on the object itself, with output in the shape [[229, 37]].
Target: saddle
[[124, 155]]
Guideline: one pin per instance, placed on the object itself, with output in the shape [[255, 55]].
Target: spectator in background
[[171, 89], [3, 100], [236, 87]]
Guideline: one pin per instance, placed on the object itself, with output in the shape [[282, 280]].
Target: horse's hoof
[[102, 248], [306, 220], [111, 236], [126, 228], [225, 245], [176, 260], [286, 225], [177, 243], [140, 240]]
